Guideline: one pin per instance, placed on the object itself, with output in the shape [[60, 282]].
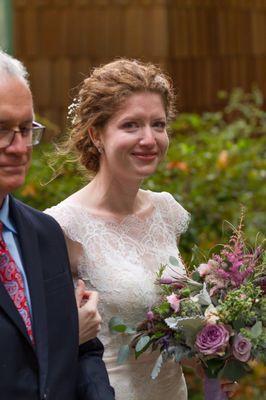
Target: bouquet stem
[[212, 389]]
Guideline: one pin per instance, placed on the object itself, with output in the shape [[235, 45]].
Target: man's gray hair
[[12, 67]]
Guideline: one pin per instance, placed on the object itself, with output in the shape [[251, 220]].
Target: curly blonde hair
[[102, 94]]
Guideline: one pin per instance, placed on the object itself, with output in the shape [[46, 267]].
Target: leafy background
[[216, 163]]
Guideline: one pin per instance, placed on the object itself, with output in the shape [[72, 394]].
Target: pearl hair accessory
[[72, 109]]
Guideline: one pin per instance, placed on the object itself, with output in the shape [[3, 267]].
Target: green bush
[[41, 189]]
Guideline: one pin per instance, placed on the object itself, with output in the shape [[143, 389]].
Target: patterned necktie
[[11, 278]]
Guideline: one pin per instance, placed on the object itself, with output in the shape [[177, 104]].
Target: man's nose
[[18, 145], [148, 137]]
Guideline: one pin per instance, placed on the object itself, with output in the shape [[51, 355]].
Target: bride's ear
[[95, 138]]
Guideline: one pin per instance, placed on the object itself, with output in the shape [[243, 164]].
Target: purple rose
[[212, 339], [241, 348]]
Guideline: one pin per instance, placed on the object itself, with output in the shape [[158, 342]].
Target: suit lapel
[[31, 258]]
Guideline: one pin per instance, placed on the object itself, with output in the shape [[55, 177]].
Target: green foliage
[[163, 309], [263, 311], [239, 302], [41, 190], [116, 324], [234, 370], [189, 308]]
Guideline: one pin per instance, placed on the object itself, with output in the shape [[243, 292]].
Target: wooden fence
[[205, 45]]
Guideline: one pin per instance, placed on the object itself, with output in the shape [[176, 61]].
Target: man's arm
[[93, 381]]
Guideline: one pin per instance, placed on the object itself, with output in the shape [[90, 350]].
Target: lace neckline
[[141, 216]]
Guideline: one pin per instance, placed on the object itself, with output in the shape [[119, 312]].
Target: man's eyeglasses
[[31, 135]]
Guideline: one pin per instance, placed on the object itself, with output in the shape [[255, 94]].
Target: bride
[[118, 234]]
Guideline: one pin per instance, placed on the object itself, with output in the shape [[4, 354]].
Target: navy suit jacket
[[55, 368]]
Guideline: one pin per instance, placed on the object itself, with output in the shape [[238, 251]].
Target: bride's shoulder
[[164, 198], [70, 218], [172, 210], [64, 212]]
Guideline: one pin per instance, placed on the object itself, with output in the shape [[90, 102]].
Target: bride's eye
[[130, 126], [159, 125]]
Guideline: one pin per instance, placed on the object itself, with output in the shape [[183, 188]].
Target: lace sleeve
[[179, 216], [68, 221]]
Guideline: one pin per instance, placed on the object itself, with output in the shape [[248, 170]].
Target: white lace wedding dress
[[120, 261]]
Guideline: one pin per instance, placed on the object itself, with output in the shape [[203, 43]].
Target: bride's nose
[[147, 137]]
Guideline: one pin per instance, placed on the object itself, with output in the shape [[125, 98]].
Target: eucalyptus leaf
[[130, 331], [123, 354], [174, 261], [157, 367], [196, 276], [193, 324], [189, 326], [172, 322], [256, 330], [203, 297], [181, 352], [142, 343]]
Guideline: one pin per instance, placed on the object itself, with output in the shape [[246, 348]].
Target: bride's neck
[[112, 196]]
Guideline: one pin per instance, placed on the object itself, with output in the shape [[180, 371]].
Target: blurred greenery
[[216, 163]]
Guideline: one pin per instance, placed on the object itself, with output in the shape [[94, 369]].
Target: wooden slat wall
[[216, 44], [205, 45]]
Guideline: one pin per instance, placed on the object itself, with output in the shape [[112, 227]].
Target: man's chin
[[12, 184]]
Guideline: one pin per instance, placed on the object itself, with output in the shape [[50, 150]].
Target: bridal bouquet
[[216, 314]]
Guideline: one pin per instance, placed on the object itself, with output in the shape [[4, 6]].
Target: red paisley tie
[[11, 278]]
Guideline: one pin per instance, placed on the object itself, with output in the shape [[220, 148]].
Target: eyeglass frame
[[12, 133]]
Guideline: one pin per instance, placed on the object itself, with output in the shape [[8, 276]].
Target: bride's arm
[[93, 382], [87, 300]]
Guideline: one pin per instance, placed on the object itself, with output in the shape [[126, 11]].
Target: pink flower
[[174, 302], [205, 269], [241, 348]]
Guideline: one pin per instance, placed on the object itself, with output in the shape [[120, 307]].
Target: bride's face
[[135, 138]]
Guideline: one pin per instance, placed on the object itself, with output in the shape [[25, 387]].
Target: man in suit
[[39, 353]]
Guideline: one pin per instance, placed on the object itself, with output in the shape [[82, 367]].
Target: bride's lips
[[145, 156]]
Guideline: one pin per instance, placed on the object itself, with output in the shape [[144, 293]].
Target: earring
[[100, 149]]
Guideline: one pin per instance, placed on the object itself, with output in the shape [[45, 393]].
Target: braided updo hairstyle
[[102, 94]]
